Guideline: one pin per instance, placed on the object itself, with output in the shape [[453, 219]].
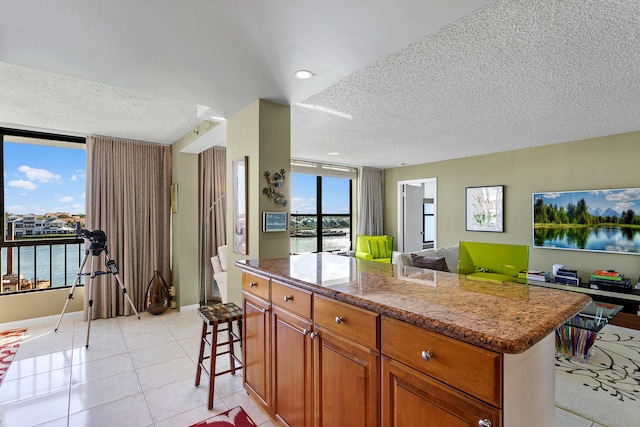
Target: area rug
[[235, 417], [606, 389], [9, 343]]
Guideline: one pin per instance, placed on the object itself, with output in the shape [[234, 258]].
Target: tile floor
[[134, 373]]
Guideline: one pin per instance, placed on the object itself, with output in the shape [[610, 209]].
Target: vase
[[157, 300]]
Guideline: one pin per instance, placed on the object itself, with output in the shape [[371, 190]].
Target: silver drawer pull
[[485, 423], [305, 332], [426, 355], [265, 310], [288, 298], [339, 319], [253, 284], [313, 335]]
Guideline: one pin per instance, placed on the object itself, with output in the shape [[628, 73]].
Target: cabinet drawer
[[352, 322], [256, 285], [466, 367], [291, 299]]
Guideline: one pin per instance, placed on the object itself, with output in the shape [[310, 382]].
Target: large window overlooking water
[[320, 211], [43, 186]]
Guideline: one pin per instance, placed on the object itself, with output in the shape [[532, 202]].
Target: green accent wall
[[262, 133], [598, 163]]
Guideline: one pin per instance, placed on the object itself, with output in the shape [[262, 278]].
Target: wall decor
[[174, 198], [275, 221], [485, 208], [588, 220], [275, 188], [240, 207]]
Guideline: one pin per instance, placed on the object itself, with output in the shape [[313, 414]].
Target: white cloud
[[66, 199], [21, 183], [40, 175]]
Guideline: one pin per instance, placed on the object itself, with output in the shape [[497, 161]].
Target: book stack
[[535, 275], [609, 280], [567, 277]]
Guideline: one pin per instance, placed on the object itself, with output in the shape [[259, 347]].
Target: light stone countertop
[[503, 317]]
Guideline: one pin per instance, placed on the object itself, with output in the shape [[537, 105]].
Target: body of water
[[605, 239], [301, 245], [57, 263]]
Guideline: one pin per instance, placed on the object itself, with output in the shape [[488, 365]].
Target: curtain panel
[[212, 168], [370, 201], [128, 197]]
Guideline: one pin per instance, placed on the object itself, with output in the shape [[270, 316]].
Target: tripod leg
[[73, 288], [111, 265], [90, 290]]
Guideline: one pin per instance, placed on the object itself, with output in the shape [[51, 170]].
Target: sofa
[[449, 253], [486, 261], [219, 263]]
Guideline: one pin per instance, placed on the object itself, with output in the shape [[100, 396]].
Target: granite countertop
[[503, 317]]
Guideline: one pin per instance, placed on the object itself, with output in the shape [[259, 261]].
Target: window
[[321, 202], [43, 186]]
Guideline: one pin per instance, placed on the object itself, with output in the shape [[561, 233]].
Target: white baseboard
[[25, 323]]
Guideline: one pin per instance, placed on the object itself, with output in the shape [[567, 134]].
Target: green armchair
[[374, 248]]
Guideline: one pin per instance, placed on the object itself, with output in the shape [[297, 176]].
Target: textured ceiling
[[403, 82]]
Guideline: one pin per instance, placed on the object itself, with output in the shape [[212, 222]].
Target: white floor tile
[[98, 392], [131, 411]]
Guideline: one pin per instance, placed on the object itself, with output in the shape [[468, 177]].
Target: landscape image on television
[[592, 220]]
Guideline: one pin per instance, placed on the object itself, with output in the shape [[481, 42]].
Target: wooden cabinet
[[291, 349], [346, 372], [313, 361], [432, 380], [256, 336], [411, 398]]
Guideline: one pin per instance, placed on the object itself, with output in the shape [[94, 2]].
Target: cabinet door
[[256, 339], [292, 374], [411, 398], [346, 382]]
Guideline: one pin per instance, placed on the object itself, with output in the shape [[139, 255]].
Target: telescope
[[97, 238]]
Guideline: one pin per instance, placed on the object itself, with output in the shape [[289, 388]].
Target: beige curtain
[[212, 211], [370, 201], [128, 197]]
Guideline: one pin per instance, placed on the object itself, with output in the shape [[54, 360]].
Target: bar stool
[[213, 316]]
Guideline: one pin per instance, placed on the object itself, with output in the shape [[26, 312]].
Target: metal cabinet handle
[[265, 310], [339, 319], [288, 298], [252, 284], [484, 423], [305, 332], [313, 335], [426, 355]]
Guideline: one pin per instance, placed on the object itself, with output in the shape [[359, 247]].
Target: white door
[[412, 236]]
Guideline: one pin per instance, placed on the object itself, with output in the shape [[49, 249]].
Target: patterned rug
[[606, 389], [9, 343], [235, 417]]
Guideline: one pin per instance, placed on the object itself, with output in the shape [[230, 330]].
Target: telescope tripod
[[95, 249]]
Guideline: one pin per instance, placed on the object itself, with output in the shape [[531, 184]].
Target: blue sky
[[303, 195], [40, 179], [619, 200]]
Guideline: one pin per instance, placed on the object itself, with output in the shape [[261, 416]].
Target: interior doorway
[[417, 214]]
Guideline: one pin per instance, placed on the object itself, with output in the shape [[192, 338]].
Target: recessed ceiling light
[[334, 153], [303, 74]]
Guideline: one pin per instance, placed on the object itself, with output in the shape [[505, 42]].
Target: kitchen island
[[407, 344]]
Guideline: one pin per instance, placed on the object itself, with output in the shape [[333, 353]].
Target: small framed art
[[275, 221], [485, 209]]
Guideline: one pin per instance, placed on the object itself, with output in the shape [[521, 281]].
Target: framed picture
[[275, 221], [589, 220], [239, 176], [485, 208]]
